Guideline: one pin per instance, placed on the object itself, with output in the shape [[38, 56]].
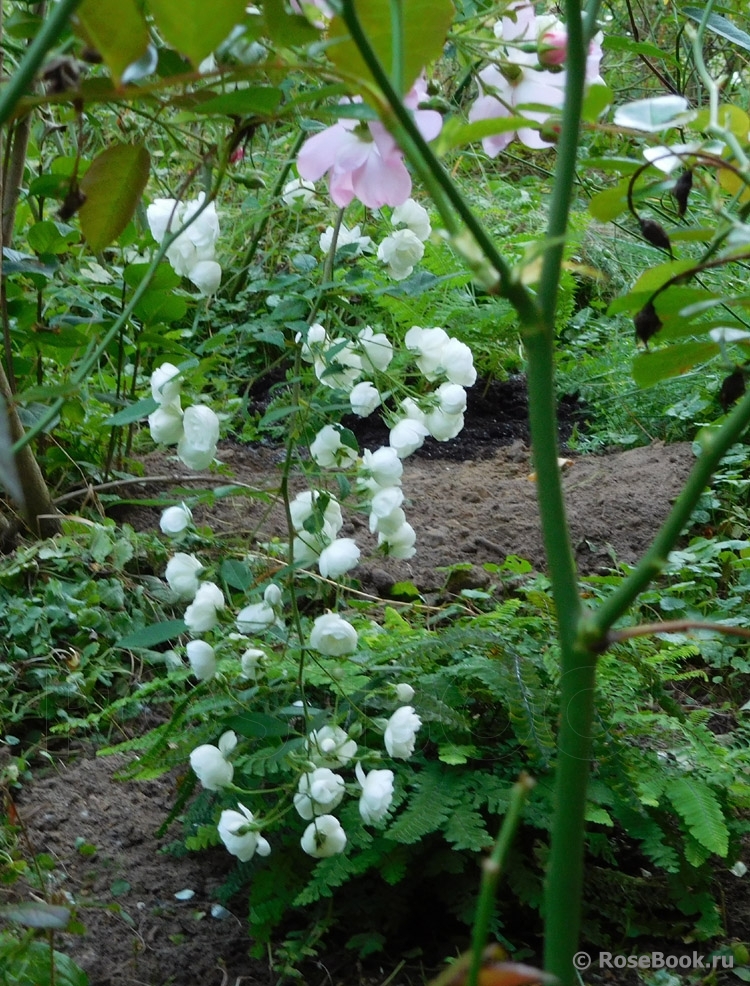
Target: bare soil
[[474, 509]]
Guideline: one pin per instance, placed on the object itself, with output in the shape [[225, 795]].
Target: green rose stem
[[492, 868], [46, 38]]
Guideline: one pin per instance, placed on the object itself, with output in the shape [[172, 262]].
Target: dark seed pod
[[655, 235], [732, 388], [71, 204], [61, 74], [681, 191], [647, 322]]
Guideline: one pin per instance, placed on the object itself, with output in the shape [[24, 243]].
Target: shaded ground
[[470, 501]]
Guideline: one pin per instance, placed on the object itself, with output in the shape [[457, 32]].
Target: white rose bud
[[323, 837], [332, 636], [202, 659]]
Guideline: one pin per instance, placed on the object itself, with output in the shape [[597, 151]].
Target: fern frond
[[699, 808]]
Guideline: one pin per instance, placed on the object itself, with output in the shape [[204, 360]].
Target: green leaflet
[[699, 808]]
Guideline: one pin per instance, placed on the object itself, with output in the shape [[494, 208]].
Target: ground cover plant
[[277, 225]]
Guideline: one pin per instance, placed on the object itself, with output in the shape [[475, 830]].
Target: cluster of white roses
[[195, 431], [320, 789], [339, 363], [193, 252], [400, 251]]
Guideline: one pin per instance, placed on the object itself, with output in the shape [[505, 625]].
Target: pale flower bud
[[339, 557], [182, 575], [165, 384], [364, 399], [458, 363], [404, 692], [250, 663], [407, 436], [400, 544], [239, 837], [377, 794], [332, 636], [165, 424], [444, 426], [206, 276], [401, 731], [210, 764], [323, 837], [197, 446], [376, 347], [452, 398], [174, 520], [201, 614], [383, 466], [202, 659]]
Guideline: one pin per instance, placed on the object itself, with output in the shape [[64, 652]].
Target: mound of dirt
[[476, 510]]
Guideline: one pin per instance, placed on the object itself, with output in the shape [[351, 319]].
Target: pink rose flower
[[362, 160]]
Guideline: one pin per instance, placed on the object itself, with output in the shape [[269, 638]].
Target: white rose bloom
[[414, 216], [206, 276], [204, 232], [298, 192], [364, 399], [377, 794], [323, 837], [430, 344], [302, 507], [307, 548], [318, 792], [197, 446], [400, 544], [412, 410], [376, 347], [210, 764], [404, 692], [237, 834], [255, 618], [451, 398], [385, 508], [458, 363], [340, 366], [202, 659], [250, 663], [400, 252], [339, 557], [201, 614], [174, 520], [332, 636], [328, 451], [382, 467], [330, 745], [345, 238], [165, 424], [444, 426], [315, 342], [165, 384], [182, 575], [401, 731], [407, 436], [164, 215]]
